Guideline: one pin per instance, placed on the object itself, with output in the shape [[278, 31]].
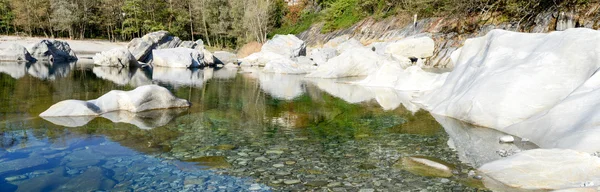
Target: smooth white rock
[[15, 52], [118, 57], [348, 45], [72, 108], [288, 46], [144, 98], [52, 50], [542, 169], [391, 75], [419, 47], [321, 56], [178, 58], [351, 63], [261, 58], [287, 66], [507, 139], [224, 57], [507, 77], [14, 69]]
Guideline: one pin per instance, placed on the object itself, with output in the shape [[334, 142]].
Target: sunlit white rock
[[260, 58], [14, 69], [143, 98], [178, 58], [507, 139], [118, 57], [542, 169], [321, 56], [287, 66], [351, 63], [506, 77], [333, 43], [419, 47], [391, 75], [15, 52], [348, 45], [286, 45]]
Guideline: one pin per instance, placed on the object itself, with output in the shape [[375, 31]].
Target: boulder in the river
[[141, 48], [425, 166], [52, 50], [261, 58], [391, 75], [542, 169], [224, 57], [118, 57], [507, 77], [143, 98], [322, 55], [418, 47], [333, 43], [169, 42], [72, 108], [178, 57], [16, 52], [286, 45], [348, 45], [351, 63], [288, 66]]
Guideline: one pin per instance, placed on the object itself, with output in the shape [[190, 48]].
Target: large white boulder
[[391, 75], [287, 66], [178, 58], [506, 77], [15, 52], [141, 48], [351, 63], [321, 56], [224, 57], [333, 43], [118, 57], [72, 108], [348, 45], [418, 47], [52, 50], [573, 123], [543, 170], [286, 45], [144, 98], [261, 58]]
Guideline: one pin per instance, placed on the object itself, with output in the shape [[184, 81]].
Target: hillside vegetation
[[231, 23]]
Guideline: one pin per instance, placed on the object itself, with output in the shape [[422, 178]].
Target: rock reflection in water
[[124, 76], [350, 93], [42, 70], [143, 120], [179, 77]]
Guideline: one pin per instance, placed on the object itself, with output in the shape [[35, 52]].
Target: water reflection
[[41, 70], [270, 128], [142, 120]]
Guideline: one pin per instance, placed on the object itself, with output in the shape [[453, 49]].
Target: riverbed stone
[[425, 166]]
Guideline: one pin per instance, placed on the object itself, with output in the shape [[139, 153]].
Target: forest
[[231, 23]]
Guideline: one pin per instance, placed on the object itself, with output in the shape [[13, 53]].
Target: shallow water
[[246, 130]]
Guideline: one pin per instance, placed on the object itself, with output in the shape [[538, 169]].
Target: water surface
[[246, 130]]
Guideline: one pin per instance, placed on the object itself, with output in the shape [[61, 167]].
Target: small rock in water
[[278, 152], [291, 181], [225, 147], [254, 187], [366, 190], [15, 178], [290, 162], [278, 165], [587, 184], [283, 173], [507, 139], [334, 184]]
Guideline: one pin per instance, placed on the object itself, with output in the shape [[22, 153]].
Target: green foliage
[[305, 21], [341, 14], [6, 17]]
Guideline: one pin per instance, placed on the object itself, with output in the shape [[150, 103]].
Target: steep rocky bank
[[450, 32]]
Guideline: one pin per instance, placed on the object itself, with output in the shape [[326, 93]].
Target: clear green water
[[245, 131]]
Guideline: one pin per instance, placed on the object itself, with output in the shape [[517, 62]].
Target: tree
[[62, 17], [6, 17]]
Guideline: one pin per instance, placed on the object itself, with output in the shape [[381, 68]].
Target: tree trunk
[[191, 19]]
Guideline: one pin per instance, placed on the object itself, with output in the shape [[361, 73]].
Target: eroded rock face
[[52, 50], [141, 48], [143, 98], [506, 77], [542, 169], [118, 57], [286, 45], [178, 57], [224, 57], [16, 52], [321, 56]]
